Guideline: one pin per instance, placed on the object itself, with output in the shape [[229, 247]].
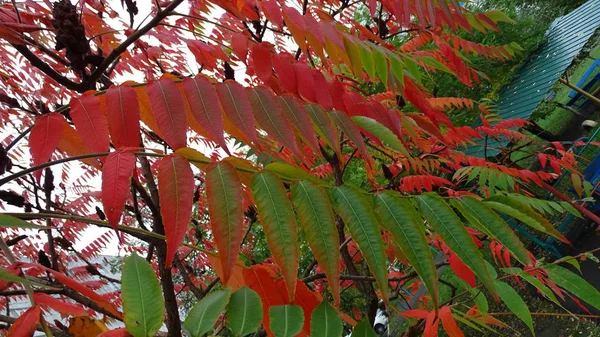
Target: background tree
[[320, 92]]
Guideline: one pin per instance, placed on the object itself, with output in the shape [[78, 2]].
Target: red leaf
[[103, 302], [120, 332], [272, 12], [90, 122], [295, 23], [270, 117], [116, 180], [26, 324], [237, 108], [306, 82], [461, 269], [262, 59], [225, 207], [416, 313], [543, 159], [169, 111], [323, 96], [431, 325], [262, 280], [44, 138], [64, 308], [176, 191], [415, 96], [373, 7], [449, 323], [204, 104], [123, 115], [283, 63], [239, 45]]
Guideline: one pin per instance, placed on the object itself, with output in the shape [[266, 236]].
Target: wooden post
[[579, 90]]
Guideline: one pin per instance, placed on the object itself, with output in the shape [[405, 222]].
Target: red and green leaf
[[279, 222], [269, 115], [176, 190], [205, 107], [168, 109], [224, 194], [317, 219], [237, 108], [360, 219]]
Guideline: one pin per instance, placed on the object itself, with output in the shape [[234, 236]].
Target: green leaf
[[447, 224], [366, 55], [205, 313], [499, 16], [522, 212], [476, 293], [324, 123], [515, 303], [318, 221], [363, 329], [481, 216], [325, 321], [413, 68], [569, 208], [5, 275], [286, 320], [9, 221], [540, 286], [143, 303], [433, 63], [574, 284], [380, 131], [381, 65], [245, 312], [397, 67], [398, 217], [289, 171], [279, 222], [357, 214]]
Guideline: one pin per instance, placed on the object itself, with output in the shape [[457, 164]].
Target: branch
[[187, 279], [48, 70], [115, 53]]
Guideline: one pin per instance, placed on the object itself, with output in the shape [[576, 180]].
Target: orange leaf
[[236, 279]]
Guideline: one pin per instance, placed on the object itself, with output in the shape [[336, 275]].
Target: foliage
[[329, 173]]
